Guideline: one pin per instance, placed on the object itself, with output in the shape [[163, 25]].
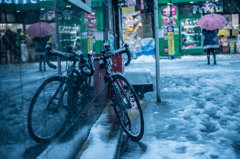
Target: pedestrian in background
[[9, 44], [211, 43], [210, 24], [40, 50]]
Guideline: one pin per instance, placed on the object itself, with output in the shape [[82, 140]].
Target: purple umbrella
[[212, 22], [40, 29]]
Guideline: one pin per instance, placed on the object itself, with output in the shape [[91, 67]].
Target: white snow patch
[[99, 146], [150, 59]]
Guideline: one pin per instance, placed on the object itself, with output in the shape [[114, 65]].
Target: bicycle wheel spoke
[[128, 103], [47, 114]]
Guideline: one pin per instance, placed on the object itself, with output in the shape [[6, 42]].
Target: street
[[199, 114]]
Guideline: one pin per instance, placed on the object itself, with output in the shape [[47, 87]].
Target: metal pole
[[120, 25], [157, 50], [57, 35], [171, 19]]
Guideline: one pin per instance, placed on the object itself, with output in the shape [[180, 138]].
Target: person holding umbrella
[[210, 43], [210, 24], [41, 33]]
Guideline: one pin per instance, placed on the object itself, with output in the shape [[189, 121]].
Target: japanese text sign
[[171, 51]]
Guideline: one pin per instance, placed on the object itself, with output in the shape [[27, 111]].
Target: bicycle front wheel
[[48, 113], [127, 107]]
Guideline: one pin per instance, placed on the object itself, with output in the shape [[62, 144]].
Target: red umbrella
[[40, 29], [212, 22]]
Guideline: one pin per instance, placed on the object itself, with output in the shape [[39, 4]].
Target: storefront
[[163, 23], [137, 28], [75, 27], [188, 37]]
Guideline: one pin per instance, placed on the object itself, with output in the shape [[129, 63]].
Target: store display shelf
[[129, 25], [73, 32], [67, 40], [190, 33], [192, 41], [188, 48], [190, 26]]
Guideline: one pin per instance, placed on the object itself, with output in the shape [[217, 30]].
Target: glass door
[[191, 34]]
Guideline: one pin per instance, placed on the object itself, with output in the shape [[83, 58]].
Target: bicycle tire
[[130, 117], [42, 129]]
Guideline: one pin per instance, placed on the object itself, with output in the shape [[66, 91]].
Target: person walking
[[211, 43]]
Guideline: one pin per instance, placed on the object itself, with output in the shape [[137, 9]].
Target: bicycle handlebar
[[124, 49], [49, 52]]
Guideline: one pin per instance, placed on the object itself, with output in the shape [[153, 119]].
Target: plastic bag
[[148, 45], [24, 53]]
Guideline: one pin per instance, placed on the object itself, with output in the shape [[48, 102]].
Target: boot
[[214, 57], [208, 58]]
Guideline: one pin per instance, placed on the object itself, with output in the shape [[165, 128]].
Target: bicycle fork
[[50, 103], [123, 105]]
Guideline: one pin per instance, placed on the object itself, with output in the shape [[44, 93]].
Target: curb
[[104, 139]]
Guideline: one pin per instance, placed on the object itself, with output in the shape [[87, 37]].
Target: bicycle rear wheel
[[127, 107], [48, 112]]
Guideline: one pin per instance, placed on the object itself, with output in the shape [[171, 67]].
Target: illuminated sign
[[19, 1], [171, 51]]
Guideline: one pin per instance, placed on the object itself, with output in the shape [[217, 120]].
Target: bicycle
[[125, 101], [59, 98]]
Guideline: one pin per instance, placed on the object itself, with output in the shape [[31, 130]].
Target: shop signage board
[[166, 15], [208, 7], [222, 32], [128, 9], [171, 50], [164, 31], [19, 1], [142, 5], [165, 37], [90, 38], [165, 50], [160, 33], [176, 31], [90, 21], [229, 19], [235, 20]]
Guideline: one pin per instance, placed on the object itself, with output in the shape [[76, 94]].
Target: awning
[[179, 1], [21, 5]]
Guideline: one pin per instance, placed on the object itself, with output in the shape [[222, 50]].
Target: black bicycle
[[60, 99], [67, 98]]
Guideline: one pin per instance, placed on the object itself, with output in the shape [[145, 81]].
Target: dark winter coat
[[41, 44], [210, 39]]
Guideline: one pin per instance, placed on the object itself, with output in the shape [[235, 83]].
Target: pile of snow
[[150, 59], [201, 117]]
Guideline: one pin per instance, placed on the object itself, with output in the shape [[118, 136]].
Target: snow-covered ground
[[198, 118], [200, 113]]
